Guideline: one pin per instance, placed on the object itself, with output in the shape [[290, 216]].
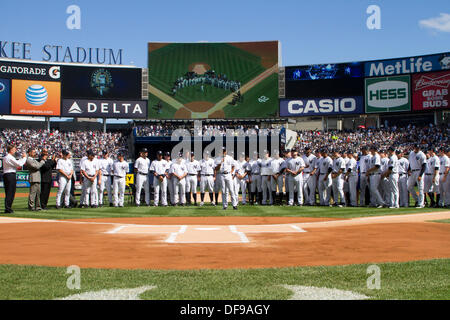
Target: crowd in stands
[[352, 140], [78, 142]]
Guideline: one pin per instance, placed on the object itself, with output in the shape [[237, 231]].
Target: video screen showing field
[[213, 80]]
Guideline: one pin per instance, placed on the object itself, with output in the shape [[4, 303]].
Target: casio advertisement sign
[[435, 62], [321, 107], [104, 109], [389, 94]]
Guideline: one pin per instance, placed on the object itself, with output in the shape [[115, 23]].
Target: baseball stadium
[[216, 173]]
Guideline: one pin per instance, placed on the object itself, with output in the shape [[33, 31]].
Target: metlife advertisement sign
[[381, 68], [310, 107], [104, 109], [388, 94]]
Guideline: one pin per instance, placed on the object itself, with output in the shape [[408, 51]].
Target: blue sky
[[309, 31]]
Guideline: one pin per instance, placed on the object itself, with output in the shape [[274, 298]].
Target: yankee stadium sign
[[104, 109], [58, 53], [321, 107]]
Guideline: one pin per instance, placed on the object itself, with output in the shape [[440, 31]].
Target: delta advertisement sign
[[388, 94], [321, 106], [431, 91], [435, 62]]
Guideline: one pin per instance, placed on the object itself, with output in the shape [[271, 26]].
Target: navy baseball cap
[[159, 153], [144, 150], [167, 154]]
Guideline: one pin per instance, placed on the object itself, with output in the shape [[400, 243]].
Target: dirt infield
[[222, 242], [199, 67], [199, 106], [182, 113]]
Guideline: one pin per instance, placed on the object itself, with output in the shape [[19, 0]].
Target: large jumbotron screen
[[213, 80]]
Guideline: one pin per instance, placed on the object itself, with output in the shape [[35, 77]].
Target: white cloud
[[441, 23]]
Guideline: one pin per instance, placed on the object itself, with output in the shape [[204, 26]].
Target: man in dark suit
[[46, 177]]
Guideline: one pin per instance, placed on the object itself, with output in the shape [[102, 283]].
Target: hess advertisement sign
[[389, 94], [35, 98], [430, 91]]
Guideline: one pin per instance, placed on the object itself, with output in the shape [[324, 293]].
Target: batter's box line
[[241, 235], [174, 235]]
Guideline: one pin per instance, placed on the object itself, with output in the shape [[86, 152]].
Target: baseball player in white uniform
[[193, 167], [417, 164], [255, 180], [384, 188], [170, 191], [266, 174], [444, 179], [65, 169], [391, 176], [119, 171], [338, 179], [158, 168], [403, 166], [90, 171], [351, 176], [325, 180], [225, 166], [141, 169], [277, 166], [179, 171], [241, 177], [294, 171], [105, 164], [374, 179], [309, 177], [364, 166], [287, 158], [207, 167], [431, 183], [83, 194]]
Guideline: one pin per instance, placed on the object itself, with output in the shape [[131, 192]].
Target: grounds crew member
[[255, 180], [119, 171], [309, 178], [338, 179], [34, 176], [266, 174], [351, 176], [417, 164], [364, 185], [241, 177], [325, 182], [91, 173], [444, 180], [207, 167], [374, 179], [403, 165], [64, 167], [179, 172], [294, 171], [158, 168], [10, 165], [46, 177], [171, 194], [141, 169], [391, 176], [431, 183], [193, 167], [225, 166], [105, 165], [277, 166]]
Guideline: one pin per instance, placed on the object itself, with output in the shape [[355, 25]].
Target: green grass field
[[411, 280]]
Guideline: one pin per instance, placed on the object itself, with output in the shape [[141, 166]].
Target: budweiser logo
[[426, 81]]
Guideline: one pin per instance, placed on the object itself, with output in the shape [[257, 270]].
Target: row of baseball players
[[387, 176]]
